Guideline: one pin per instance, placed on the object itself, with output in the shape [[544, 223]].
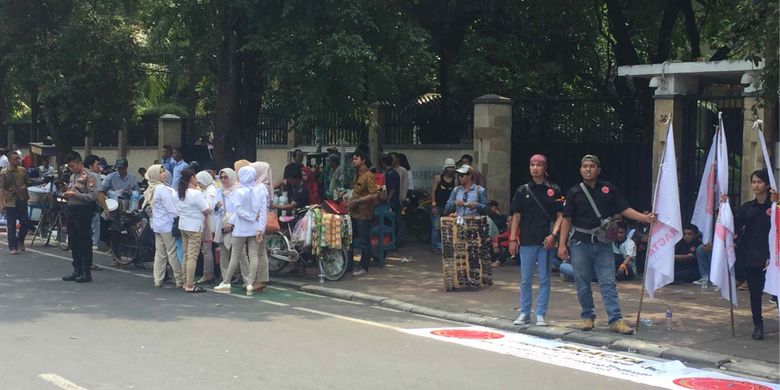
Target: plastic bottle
[[134, 200], [669, 317]]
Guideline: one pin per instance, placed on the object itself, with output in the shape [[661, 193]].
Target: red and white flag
[[723, 255], [704, 211], [772, 285], [667, 230]]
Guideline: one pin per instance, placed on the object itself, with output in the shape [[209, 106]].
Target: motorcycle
[[416, 214]]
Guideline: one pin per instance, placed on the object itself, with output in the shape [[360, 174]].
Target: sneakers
[[587, 324], [540, 321], [250, 290], [223, 288], [359, 272], [620, 326], [522, 319], [94, 248], [13, 252], [758, 332], [704, 281]]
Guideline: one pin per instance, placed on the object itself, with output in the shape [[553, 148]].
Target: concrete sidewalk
[[701, 331]]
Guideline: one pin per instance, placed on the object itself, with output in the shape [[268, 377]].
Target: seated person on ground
[[625, 255], [686, 268]]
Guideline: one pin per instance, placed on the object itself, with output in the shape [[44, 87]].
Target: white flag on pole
[[667, 230], [723, 255], [704, 211], [772, 285]]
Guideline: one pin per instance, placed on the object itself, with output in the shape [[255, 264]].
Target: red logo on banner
[[605, 189], [769, 211], [717, 384], [550, 192], [468, 334]]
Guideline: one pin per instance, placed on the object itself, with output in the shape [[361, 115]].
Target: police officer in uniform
[[588, 254], [82, 205]]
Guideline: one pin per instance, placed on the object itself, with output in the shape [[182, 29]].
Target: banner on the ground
[[625, 366]]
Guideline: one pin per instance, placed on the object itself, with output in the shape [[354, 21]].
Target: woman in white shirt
[[193, 209], [249, 215], [162, 200], [206, 183], [223, 210], [262, 188]]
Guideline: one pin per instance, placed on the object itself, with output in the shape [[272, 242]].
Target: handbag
[[272, 223], [607, 230]]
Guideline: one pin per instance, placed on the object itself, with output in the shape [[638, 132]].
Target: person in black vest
[[752, 224], [588, 254], [536, 212]]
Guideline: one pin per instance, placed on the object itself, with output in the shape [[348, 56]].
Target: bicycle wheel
[[278, 252], [334, 263], [124, 247], [62, 235]]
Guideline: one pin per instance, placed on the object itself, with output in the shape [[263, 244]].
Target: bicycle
[[53, 224], [131, 237], [282, 251]]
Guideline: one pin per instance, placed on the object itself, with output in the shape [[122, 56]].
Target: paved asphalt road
[[121, 333]]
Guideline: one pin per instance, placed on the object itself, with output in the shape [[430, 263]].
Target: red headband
[[539, 158]]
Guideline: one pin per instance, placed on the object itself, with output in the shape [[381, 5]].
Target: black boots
[[758, 332], [82, 277], [71, 277], [86, 275]]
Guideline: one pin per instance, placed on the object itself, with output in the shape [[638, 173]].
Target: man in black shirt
[[588, 254], [686, 268], [536, 211]]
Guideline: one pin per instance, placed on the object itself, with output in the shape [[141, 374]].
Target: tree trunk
[[252, 86], [668, 21], [692, 30], [227, 107], [625, 52]]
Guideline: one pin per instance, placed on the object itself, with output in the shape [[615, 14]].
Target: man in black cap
[[586, 211]]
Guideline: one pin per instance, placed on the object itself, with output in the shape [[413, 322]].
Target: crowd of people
[[222, 214]]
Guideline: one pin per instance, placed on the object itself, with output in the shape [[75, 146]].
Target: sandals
[[196, 289]]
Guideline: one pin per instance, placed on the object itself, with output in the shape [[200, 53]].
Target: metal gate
[[564, 130], [700, 121]]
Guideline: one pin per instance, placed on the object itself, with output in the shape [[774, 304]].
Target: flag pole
[[650, 234], [728, 270]]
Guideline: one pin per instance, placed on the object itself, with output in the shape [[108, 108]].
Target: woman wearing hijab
[[193, 209], [249, 215], [206, 183], [263, 185], [311, 185], [161, 199], [223, 210]]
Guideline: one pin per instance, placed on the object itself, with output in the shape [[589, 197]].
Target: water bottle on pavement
[[669, 317]]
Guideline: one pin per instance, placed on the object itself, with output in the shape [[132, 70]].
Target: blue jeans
[[703, 258], [565, 268], [435, 230], [361, 231], [588, 258], [534, 258]]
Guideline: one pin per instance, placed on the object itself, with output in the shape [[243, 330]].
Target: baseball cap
[[591, 157], [121, 163], [450, 162], [464, 169]]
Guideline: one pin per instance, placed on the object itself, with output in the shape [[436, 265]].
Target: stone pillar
[[88, 143], [669, 100], [752, 157], [493, 146], [376, 134], [121, 143], [10, 137], [169, 131], [292, 135]]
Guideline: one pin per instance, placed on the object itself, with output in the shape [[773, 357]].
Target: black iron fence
[[273, 128], [335, 130], [428, 120]]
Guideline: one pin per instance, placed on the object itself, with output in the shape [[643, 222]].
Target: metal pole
[[731, 301]]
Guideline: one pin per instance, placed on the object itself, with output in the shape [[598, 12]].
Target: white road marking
[[60, 382], [345, 301], [351, 319], [273, 303]]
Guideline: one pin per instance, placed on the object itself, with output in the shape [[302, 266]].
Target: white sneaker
[[522, 319], [223, 288], [94, 248], [700, 281], [359, 272], [540, 321], [249, 290]]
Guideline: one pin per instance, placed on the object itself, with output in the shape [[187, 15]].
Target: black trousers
[[361, 230], [80, 236], [755, 277]]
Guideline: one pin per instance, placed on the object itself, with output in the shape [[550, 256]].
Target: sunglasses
[[462, 174]]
